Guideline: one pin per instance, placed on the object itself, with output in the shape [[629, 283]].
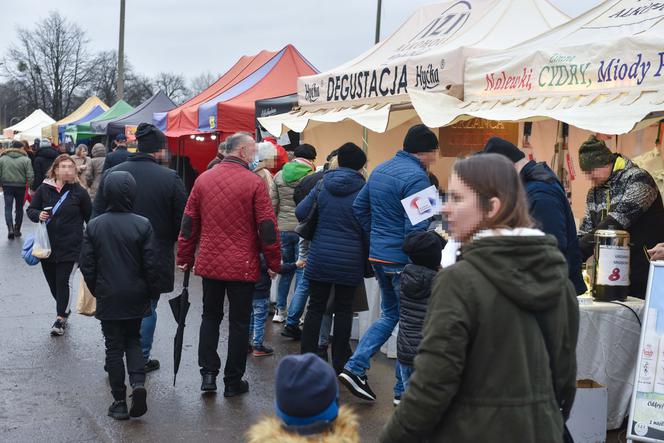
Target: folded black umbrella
[[179, 307]]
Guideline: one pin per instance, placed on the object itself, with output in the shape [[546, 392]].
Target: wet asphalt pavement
[[55, 389]]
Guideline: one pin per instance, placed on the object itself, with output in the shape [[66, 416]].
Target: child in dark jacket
[[119, 264], [424, 250], [261, 306]]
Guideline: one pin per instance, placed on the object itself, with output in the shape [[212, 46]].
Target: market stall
[[85, 131], [143, 113], [91, 108], [30, 127], [228, 105]]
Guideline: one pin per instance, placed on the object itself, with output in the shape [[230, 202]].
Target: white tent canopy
[[30, 127], [426, 53], [603, 71]]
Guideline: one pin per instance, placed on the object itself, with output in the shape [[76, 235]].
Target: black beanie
[[420, 139], [351, 156], [150, 138], [305, 151], [497, 145], [594, 153], [424, 248]]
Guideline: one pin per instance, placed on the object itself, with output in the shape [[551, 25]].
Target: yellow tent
[[92, 107]]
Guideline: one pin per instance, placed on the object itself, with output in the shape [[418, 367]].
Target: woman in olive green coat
[[497, 362]]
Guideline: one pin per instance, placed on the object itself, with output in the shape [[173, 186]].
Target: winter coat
[[118, 259], [43, 161], [160, 198], [119, 155], [230, 218], [485, 370], [65, 230], [287, 180], [635, 206], [550, 208], [96, 168], [416, 283], [267, 178], [271, 430], [15, 168], [378, 206], [82, 166], [337, 252]]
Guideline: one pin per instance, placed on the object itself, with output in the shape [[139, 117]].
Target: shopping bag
[[41, 248], [86, 304]]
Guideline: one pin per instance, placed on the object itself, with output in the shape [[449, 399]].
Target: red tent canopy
[[228, 105]]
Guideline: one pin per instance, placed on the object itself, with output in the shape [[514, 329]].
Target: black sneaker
[[262, 351], [358, 386], [239, 388], [139, 405], [151, 365], [58, 328], [118, 410], [292, 332], [209, 383]]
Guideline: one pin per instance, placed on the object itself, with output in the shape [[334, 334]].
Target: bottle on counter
[[649, 354]]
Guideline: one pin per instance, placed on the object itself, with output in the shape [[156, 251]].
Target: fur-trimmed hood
[[270, 429]]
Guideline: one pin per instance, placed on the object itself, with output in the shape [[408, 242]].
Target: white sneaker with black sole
[[358, 386], [397, 400], [279, 316]]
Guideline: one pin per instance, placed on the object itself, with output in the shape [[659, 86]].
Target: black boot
[[17, 231], [209, 383], [118, 410], [138, 401], [10, 232]]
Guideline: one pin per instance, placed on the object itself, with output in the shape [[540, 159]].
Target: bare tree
[[173, 85], [52, 64], [104, 82], [201, 82], [138, 88]]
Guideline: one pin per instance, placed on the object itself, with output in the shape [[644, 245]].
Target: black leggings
[[60, 279], [319, 293]]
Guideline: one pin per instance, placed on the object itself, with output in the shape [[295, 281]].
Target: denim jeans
[[389, 277], [148, 326], [299, 300], [325, 328], [259, 312], [406, 372], [14, 199], [289, 253]]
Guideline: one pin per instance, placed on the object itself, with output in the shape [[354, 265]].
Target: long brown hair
[[59, 159], [493, 175]]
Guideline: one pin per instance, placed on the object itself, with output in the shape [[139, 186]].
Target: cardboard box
[[587, 421]]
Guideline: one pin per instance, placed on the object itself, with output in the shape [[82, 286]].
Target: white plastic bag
[[42, 246]]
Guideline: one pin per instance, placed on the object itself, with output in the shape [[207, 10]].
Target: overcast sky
[[194, 36]]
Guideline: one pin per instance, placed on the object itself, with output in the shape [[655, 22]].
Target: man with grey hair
[[229, 216]]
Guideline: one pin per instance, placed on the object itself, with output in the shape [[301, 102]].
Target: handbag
[[307, 226], [86, 303], [39, 242]]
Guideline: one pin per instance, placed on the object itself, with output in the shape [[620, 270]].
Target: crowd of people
[[511, 256]]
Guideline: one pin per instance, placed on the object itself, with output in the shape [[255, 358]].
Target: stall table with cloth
[[607, 351]]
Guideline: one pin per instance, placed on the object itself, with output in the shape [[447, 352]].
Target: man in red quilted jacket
[[229, 216]]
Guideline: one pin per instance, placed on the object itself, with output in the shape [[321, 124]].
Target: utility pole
[[120, 84], [380, 4]]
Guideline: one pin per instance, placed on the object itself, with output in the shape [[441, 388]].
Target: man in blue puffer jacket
[[549, 206], [379, 210]]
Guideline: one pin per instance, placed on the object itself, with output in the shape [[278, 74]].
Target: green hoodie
[[294, 171], [483, 371], [15, 168]]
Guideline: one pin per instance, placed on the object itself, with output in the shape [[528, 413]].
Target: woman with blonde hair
[[83, 163], [64, 205], [497, 361]]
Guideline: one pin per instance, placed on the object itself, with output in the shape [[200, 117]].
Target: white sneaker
[[279, 317]]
